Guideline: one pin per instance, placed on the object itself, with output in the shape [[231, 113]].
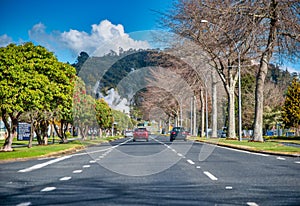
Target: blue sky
[[52, 23], [68, 27]]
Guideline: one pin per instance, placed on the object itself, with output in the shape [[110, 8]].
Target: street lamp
[[239, 79]]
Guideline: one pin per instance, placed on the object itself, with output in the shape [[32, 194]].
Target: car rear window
[[140, 129]]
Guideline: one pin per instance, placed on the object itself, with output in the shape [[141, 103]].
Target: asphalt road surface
[[153, 173]]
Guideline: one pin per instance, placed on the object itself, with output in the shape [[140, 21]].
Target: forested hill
[[111, 68]]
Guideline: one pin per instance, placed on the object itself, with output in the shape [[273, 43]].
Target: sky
[[67, 27]]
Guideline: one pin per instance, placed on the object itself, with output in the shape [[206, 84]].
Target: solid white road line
[[237, 150], [39, 166], [252, 204], [191, 162], [211, 176], [48, 189]]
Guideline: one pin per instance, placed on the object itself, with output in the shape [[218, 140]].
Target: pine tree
[[291, 108]]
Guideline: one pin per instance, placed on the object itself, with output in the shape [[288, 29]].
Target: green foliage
[[122, 120], [83, 108], [291, 108], [32, 79], [103, 114]]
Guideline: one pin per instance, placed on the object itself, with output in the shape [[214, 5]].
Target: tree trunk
[[195, 116], [261, 75], [202, 113], [12, 131], [214, 106], [259, 102], [231, 113]]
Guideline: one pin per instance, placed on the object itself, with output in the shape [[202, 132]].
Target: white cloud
[[103, 38], [5, 40]]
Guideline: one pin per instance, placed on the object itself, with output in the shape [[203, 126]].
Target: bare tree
[[243, 30]]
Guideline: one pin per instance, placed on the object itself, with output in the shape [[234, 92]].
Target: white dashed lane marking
[[297, 162], [191, 162], [211, 176], [48, 189], [77, 171], [86, 166], [228, 188], [24, 204], [252, 204], [65, 178], [280, 158]]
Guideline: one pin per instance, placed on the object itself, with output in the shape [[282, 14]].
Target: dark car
[[178, 133]]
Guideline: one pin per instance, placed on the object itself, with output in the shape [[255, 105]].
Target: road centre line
[[211, 176], [48, 189], [191, 162], [41, 165], [65, 178], [252, 204], [24, 204]]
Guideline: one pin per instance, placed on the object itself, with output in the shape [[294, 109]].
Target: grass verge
[[40, 151], [271, 147]]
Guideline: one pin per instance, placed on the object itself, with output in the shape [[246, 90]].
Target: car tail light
[[173, 133]]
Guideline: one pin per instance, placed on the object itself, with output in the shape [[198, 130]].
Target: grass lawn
[[268, 146], [48, 150]]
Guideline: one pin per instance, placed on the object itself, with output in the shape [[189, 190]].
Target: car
[[178, 133], [128, 133], [141, 133]]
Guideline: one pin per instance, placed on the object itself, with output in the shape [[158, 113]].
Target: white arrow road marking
[[48, 189], [211, 176]]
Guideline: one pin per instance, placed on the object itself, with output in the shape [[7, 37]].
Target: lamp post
[[239, 79]]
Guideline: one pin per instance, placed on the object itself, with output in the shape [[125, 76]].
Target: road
[[157, 172]]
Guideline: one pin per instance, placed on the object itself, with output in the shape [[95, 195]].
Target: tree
[[31, 78], [291, 108], [84, 109], [122, 121], [81, 59], [103, 115], [254, 30]]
